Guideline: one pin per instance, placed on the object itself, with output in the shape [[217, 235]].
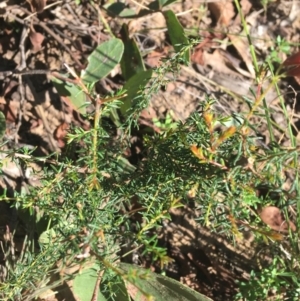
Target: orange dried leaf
[[271, 234], [227, 134], [197, 152], [208, 117]]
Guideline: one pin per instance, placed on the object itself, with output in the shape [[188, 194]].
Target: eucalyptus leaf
[[115, 289], [134, 87], [119, 9], [84, 285], [47, 236], [132, 61], [103, 60], [166, 2], [176, 33], [160, 287], [72, 92]]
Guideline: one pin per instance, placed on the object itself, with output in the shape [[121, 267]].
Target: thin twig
[[22, 66], [96, 289]]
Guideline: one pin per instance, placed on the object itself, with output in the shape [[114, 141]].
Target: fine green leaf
[[132, 61], [176, 33], [133, 88], [160, 287], [2, 125], [103, 60], [84, 284], [72, 92]]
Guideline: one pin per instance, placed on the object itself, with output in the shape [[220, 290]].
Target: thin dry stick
[[22, 92], [44, 8], [96, 289]]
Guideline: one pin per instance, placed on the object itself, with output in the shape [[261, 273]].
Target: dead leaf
[[148, 114], [223, 11], [37, 5], [36, 40], [60, 134], [197, 56], [245, 7], [217, 62], [154, 57], [273, 217], [10, 110], [241, 45]]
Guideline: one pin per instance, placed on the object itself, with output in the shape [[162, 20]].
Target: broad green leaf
[[2, 125], [119, 9], [161, 288], [122, 11], [84, 284], [166, 2], [133, 88], [103, 60], [72, 93], [47, 236], [132, 61], [115, 290], [176, 33]]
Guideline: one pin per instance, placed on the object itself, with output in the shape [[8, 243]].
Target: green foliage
[[177, 36], [2, 125], [103, 60], [73, 92], [167, 124], [132, 61], [160, 287], [79, 215], [134, 87], [281, 46], [270, 279]]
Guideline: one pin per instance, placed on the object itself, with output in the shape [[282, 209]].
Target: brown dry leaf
[[60, 134], [197, 55], [223, 75], [36, 40], [218, 62], [149, 26], [154, 57], [272, 216], [246, 7], [223, 11], [10, 86], [37, 5], [297, 79], [148, 114], [10, 110], [242, 47]]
